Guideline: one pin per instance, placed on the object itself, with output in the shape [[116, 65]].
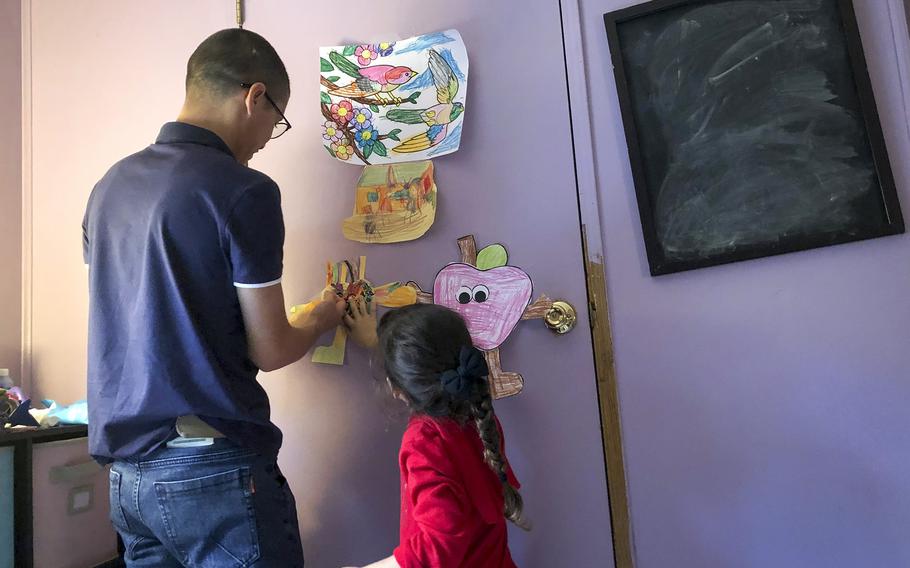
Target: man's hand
[[328, 313], [273, 341]]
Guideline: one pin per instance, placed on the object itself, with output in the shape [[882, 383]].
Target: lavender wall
[[109, 72], [764, 403], [10, 186]]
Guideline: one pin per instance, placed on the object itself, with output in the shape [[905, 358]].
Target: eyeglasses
[[282, 125]]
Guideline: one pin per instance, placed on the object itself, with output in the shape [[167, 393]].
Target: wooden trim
[[27, 199], [593, 254], [608, 397]]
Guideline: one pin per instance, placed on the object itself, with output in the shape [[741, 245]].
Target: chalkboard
[[752, 129]]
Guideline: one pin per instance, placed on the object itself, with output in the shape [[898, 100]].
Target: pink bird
[[370, 81]]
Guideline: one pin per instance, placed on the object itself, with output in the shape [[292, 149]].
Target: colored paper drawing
[[393, 102], [350, 283], [492, 297], [491, 300], [394, 203]]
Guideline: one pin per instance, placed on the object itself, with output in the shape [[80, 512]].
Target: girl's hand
[[360, 322]]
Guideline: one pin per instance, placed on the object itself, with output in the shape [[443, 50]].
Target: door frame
[[595, 281], [28, 205]]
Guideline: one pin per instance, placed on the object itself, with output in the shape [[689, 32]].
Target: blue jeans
[[212, 506]]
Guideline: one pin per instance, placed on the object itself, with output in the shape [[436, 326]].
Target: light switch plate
[[81, 499]]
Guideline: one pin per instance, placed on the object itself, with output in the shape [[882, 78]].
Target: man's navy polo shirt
[[169, 233]]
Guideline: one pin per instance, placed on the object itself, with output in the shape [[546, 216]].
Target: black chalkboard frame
[[658, 262]]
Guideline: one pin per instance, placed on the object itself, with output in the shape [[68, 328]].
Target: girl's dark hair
[[427, 350]]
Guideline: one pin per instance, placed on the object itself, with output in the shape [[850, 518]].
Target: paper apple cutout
[[491, 301]]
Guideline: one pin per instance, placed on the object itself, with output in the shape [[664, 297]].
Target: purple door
[[512, 182]]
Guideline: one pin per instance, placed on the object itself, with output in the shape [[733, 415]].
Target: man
[[184, 247]]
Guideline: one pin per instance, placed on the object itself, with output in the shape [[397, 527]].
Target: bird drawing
[[374, 81], [437, 117]]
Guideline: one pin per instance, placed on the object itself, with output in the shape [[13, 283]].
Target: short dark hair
[[234, 56]]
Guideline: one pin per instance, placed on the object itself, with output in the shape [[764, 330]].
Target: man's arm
[[275, 343]]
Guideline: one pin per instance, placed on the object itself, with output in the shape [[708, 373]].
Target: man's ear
[[254, 96]]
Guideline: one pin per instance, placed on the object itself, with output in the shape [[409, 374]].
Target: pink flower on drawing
[[342, 112], [331, 132], [366, 54]]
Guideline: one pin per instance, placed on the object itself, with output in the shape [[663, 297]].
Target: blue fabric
[[167, 234], [76, 413], [216, 506]]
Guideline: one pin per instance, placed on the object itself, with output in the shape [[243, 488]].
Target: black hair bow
[[471, 367]]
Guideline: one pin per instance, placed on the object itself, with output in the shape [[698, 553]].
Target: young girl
[[457, 488]]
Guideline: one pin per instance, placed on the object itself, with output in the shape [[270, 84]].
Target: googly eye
[[464, 295], [481, 293]]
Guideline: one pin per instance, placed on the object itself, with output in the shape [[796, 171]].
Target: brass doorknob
[[561, 318]]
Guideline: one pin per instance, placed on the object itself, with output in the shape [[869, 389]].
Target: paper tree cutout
[[349, 283], [393, 203], [492, 298], [393, 102]]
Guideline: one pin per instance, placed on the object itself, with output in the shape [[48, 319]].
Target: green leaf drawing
[[393, 134], [379, 148], [325, 98], [334, 78], [374, 108], [492, 256], [405, 115], [344, 65], [329, 150], [324, 65], [349, 49], [367, 151]]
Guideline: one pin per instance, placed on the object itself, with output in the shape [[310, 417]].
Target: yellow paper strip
[[332, 354]]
